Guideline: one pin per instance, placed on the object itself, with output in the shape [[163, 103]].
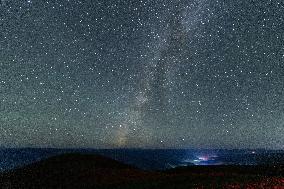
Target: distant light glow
[[204, 159]]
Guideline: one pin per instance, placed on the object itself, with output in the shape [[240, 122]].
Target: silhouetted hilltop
[[72, 171]]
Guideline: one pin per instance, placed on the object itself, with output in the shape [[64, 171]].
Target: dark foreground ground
[[94, 171]]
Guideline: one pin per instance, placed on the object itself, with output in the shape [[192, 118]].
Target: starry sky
[[142, 73]]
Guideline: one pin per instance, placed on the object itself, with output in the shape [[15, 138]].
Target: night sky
[[142, 73]]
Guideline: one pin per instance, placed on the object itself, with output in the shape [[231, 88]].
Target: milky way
[[142, 74]]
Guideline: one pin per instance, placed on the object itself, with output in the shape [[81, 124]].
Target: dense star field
[[142, 74]]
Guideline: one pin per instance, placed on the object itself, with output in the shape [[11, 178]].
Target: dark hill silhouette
[[95, 171], [72, 171]]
